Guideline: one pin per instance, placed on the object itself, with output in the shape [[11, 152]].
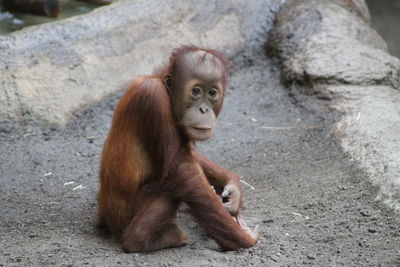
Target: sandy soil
[[313, 206]]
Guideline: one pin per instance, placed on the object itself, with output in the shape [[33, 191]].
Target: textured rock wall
[[330, 46], [53, 69], [330, 42]]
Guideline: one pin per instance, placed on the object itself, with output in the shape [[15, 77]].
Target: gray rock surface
[[322, 43], [371, 134], [325, 41], [52, 70]]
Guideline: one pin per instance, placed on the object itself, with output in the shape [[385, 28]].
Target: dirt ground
[[313, 206]]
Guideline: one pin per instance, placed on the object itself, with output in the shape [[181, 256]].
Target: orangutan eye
[[196, 91], [212, 92]]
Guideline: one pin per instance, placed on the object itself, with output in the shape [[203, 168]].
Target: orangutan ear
[[168, 82]]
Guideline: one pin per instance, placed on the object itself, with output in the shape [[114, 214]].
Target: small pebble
[[365, 213]]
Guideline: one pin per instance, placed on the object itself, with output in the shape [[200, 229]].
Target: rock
[[370, 134], [52, 69], [6, 127], [331, 42]]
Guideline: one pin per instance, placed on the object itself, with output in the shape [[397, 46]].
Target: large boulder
[[330, 47], [53, 69], [332, 42]]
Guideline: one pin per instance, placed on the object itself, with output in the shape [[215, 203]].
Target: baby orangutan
[[149, 166]]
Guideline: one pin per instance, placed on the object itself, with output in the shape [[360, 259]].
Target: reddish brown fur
[[148, 168], [177, 54]]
